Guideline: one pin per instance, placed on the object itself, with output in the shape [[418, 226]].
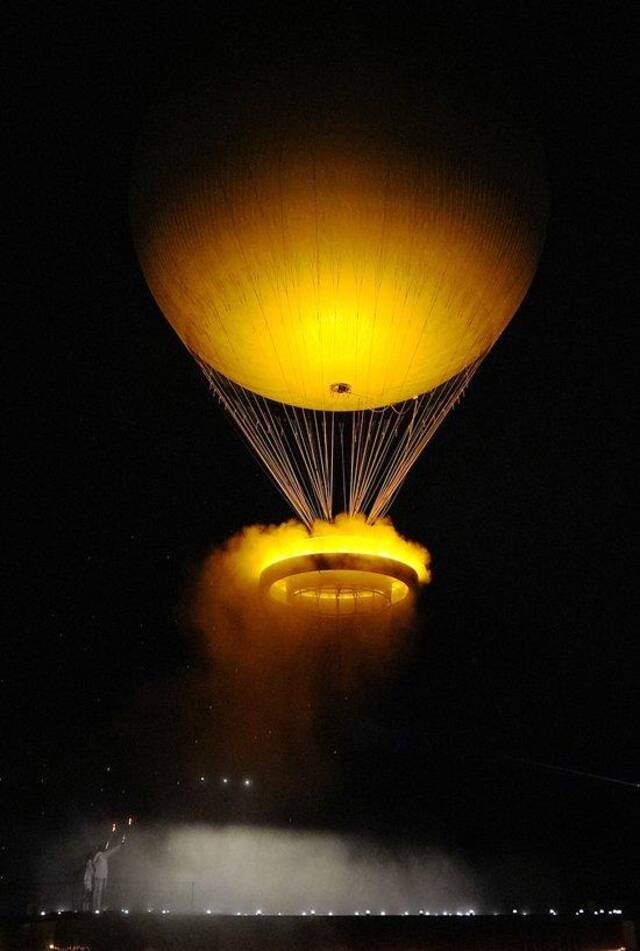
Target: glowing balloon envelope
[[336, 278], [333, 267]]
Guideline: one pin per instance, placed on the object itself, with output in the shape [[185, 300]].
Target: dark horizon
[[125, 475]]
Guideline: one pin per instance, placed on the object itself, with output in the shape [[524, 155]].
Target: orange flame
[[258, 547]]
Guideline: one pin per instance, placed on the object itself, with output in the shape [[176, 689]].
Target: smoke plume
[[281, 682]]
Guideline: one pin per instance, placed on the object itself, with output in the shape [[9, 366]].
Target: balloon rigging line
[[299, 449]]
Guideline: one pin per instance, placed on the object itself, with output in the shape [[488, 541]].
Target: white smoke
[[245, 869]]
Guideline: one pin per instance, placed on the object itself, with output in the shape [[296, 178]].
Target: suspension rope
[[300, 452]]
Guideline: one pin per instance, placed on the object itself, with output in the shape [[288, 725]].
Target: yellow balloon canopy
[[332, 275]]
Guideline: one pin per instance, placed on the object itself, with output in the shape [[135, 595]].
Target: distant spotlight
[[406, 912], [208, 911], [258, 911], [238, 913], [330, 913], [368, 911], [43, 912], [515, 911], [246, 782], [552, 911], [312, 912], [97, 911], [125, 911], [383, 912], [225, 780], [202, 779], [356, 912]]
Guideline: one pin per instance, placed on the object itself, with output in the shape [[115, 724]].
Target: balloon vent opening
[[341, 389], [338, 585]]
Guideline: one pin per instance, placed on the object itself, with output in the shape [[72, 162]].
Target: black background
[[124, 473]]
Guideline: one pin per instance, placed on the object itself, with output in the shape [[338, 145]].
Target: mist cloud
[[246, 869]]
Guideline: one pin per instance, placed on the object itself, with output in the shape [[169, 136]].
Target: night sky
[[124, 473]]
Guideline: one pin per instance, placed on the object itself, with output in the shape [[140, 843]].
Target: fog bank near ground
[[246, 869]]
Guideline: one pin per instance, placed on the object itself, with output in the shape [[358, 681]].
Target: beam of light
[[575, 772]]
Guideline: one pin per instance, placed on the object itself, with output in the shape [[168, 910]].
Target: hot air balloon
[[338, 274]]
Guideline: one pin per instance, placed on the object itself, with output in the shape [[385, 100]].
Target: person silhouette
[[87, 881], [101, 872]]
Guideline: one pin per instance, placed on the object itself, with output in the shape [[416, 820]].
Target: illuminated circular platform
[[339, 584]]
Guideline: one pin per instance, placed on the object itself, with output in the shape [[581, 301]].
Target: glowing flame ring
[[339, 583]]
